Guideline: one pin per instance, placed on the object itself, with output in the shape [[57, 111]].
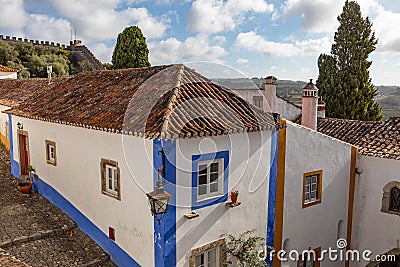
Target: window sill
[[111, 195], [391, 212], [51, 163], [311, 203]]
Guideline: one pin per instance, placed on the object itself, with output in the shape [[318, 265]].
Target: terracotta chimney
[[309, 107], [270, 92]]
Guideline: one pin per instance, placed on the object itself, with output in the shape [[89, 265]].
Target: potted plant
[[234, 196], [25, 187]]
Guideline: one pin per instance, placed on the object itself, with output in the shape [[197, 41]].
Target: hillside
[[388, 96], [31, 58]]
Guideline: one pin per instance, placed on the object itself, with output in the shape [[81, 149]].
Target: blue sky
[[258, 38]]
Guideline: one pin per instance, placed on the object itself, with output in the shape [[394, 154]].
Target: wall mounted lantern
[[20, 126], [158, 198]]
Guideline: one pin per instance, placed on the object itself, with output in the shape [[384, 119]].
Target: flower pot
[[25, 187], [234, 198]]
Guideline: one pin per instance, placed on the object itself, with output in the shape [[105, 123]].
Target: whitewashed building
[[96, 141], [5, 73], [8, 73]]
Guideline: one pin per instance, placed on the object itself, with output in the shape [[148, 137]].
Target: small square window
[[51, 157], [258, 101], [310, 258], [312, 188], [210, 179], [210, 255], [110, 178]]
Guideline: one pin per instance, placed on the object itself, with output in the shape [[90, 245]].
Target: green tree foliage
[[32, 60], [131, 49], [343, 79]]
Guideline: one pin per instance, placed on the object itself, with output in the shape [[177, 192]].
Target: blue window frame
[[209, 179]]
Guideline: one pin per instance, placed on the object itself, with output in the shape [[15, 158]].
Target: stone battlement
[[34, 42]]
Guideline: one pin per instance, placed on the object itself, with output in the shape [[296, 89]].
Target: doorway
[[23, 148]]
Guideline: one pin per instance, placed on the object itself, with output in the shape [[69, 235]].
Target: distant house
[[8, 73], [5, 73], [99, 141]]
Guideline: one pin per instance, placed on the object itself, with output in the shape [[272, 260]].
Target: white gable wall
[[8, 75], [315, 226], [218, 219], [77, 177], [4, 132], [377, 231]]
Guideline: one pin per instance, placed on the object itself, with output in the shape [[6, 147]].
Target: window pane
[[212, 255], [202, 179], [199, 260], [213, 177], [313, 194], [110, 183], [115, 180], [202, 190], [214, 167], [202, 169], [213, 187], [307, 196], [314, 187]]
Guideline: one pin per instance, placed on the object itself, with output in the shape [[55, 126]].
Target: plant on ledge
[[243, 249], [234, 196]]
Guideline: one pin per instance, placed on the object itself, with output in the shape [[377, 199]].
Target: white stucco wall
[[8, 75], [376, 231], [249, 159], [248, 94], [287, 110], [315, 226], [4, 133], [77, 177]]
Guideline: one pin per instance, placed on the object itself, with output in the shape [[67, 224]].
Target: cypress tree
[[343, 77], [130, 50]]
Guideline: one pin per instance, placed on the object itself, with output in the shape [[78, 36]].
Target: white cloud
[[101, 20], [193, 48], [212, 16], [242, 61], [317, 15], [12, 15], [42, 27], [387, 25], [254, 42], [102, 51]]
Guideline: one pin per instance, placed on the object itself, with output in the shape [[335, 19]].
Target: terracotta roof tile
[[156, 102], [376, 139], [7, 69]]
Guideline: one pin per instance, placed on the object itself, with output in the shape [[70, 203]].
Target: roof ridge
[[171, 100]]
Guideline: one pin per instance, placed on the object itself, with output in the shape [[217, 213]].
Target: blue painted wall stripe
[[272, 192], [14, 163], [117, 254], [165, 229]]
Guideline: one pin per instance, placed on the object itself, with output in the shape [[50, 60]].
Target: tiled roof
[[7, 69], [376, 139], [156, 102], [15, 91], [383, 141], [349, 131]]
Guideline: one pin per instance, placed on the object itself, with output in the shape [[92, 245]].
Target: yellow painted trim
[[4, 141], [280, 192], [351, 197]]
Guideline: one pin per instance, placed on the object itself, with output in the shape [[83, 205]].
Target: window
[[51, 152], [395, 199], [258, 101], [391, 198], [110, 177], [310, 258], [209, 179], [210, 255], [312, 188]]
